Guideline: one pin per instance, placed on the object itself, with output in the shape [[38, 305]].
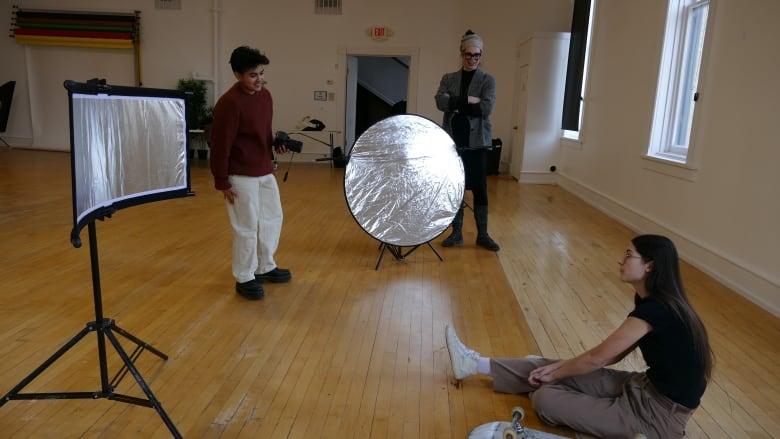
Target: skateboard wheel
[[519, 413], [509, 433]]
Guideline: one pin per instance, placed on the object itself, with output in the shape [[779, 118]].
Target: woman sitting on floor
[[582, 394]]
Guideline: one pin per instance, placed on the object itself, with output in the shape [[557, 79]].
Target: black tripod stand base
[[398, 252], [105, 328]]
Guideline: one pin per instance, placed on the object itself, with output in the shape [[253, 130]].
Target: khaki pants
[[256, 217], [606, 403]]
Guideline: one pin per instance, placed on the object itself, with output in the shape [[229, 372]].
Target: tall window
[[577, 69], [678, 80]]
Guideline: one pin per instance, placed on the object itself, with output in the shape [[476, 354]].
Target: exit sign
[[379, 32]]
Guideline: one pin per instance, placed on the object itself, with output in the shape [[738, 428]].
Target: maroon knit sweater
[[241, 135]]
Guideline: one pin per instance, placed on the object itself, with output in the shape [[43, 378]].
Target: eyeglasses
[[628, 255], [469, 55]]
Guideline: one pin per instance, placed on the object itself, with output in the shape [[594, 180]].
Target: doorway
[[379, 84], [381, 89]]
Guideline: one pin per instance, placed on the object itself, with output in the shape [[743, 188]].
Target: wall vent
[[167, 4], [327, 7]]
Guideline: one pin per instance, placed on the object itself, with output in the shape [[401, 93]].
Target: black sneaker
[[277, 276], [251, 290]]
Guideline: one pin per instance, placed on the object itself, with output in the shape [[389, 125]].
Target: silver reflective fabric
[[404, 180], [125, 147]]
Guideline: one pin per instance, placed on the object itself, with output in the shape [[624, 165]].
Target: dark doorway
[[380, 90]]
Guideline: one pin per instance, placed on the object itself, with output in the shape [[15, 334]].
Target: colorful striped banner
[[76, 29], [100, 43], [73, 34]]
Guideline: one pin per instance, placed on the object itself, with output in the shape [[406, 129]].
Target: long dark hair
[[665, 284]]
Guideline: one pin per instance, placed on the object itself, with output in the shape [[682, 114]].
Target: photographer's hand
[[230, 196], [281, 149]]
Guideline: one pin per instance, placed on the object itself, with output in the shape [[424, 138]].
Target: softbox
[[128, 146]]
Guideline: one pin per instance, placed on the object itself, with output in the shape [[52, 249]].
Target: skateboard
[[510, 430]]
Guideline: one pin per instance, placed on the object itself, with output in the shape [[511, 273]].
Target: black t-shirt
[[674, 368], [460, 121]]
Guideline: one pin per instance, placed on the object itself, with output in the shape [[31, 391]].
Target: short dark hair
[[244, 58]]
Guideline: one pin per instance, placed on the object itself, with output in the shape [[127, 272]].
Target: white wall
[[726, 220], [304, 50]]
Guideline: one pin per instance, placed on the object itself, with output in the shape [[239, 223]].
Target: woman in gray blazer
[[466, 97]]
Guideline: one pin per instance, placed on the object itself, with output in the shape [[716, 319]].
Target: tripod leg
[[140, 347], [429, 245], [137, 341], [410, 251], [434, 250], [122, 372], [60, 352], [382, 246], [397, 252], [131, 367]]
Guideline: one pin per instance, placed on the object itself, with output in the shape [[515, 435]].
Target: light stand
[[104, 328], [329, 143]]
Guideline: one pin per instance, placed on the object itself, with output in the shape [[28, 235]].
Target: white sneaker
[[464, 360]]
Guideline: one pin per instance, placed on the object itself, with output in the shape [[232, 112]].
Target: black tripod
[[398, 252], [104, 328]]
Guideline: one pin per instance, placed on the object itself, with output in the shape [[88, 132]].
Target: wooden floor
[[344, 350]]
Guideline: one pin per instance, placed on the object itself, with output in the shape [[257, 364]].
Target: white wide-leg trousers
[[256, 217]]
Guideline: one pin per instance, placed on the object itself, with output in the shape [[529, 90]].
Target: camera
[[283, 139]]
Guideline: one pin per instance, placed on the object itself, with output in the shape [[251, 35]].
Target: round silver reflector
[[404, 180]]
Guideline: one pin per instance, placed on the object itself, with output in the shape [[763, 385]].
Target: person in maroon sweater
[[242, 145]]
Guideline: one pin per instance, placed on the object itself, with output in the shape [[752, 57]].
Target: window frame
[[571, 135], [669, 93]]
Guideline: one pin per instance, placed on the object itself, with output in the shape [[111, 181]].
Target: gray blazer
[[483, 85]]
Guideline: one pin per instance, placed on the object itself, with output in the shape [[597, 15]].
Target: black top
[[460, 121], [674, 367], [465, 81]]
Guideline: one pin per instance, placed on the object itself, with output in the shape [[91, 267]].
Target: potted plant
[[198, 113]]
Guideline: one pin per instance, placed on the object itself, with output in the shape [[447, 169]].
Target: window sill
[[571, 142], [670, 167]]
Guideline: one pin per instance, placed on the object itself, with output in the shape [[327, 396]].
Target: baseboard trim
[[13, 141], [757, 287], [538, 178]]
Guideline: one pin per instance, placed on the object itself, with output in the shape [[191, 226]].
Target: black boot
[[483, 239], [456, 237]]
